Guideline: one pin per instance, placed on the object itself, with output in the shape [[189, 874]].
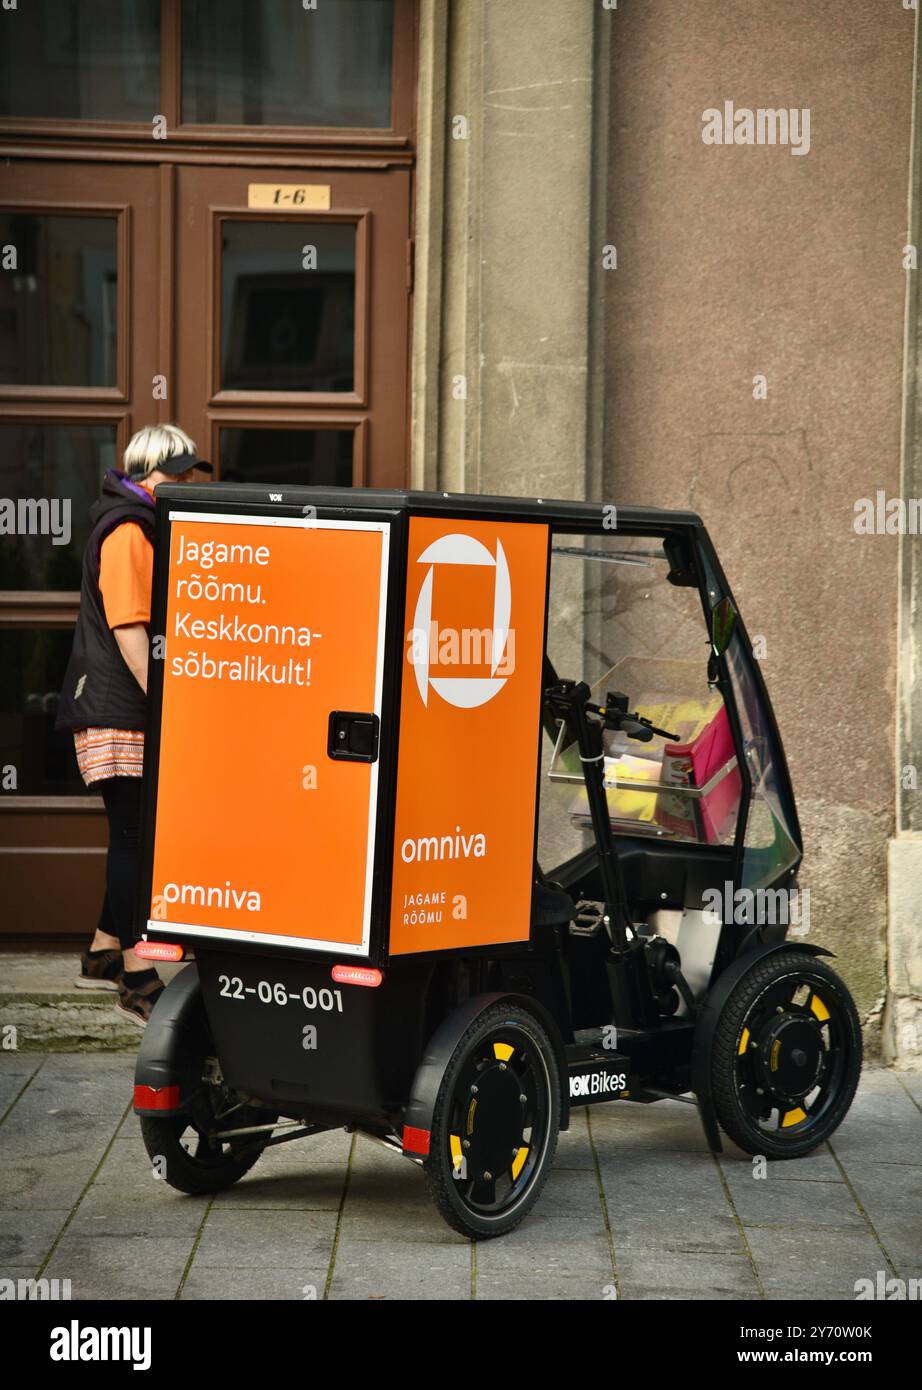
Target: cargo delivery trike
[[467, 812]]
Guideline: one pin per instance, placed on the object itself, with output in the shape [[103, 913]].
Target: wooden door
[[79, 337], [148, 287], [292, 322]]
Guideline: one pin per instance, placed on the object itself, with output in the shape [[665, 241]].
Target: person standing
[[105, 693]]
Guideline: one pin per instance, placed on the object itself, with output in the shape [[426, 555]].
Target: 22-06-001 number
[[330, 1000]]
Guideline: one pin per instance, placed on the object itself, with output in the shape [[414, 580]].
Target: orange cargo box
[[344, 711]]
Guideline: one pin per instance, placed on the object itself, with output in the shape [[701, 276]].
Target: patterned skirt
[[103, 753]]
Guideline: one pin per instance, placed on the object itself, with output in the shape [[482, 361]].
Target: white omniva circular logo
[[464, 691]]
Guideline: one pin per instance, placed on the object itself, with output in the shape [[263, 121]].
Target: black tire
[[183, 1154], [505, 1055], [786, 1056]]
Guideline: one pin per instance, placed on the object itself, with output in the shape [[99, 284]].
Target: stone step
[[42, 1010]]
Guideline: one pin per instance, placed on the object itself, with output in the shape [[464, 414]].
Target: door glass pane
[[287, 456], [59, 303], [50, 475], [88, 60], [285, 327], [277, 63], [32, 665]]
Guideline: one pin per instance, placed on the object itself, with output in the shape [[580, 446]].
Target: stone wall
[[740, 261], [537, 371]]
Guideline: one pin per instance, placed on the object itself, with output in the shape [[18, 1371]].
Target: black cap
[[181, 463]]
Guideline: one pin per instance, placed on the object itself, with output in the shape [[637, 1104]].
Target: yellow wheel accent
[[502, 1051], [793, 1117], [744, 1043], [457, 1154], [819, 1008], [518, 1163], [471, 1111]]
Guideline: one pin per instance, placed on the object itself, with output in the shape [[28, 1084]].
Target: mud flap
[[174, 1042], [418, 1117]]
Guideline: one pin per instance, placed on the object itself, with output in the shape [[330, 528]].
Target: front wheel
[[786, 1056], [495, 1123]]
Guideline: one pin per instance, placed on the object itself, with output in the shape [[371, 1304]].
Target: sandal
[[100, 970], [138, 1003]]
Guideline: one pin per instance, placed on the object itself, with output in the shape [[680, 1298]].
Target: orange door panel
[[469, 733], [271, 625]]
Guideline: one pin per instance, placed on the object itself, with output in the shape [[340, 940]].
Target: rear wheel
[[187, 1150], [786, 1056], [495, 1124]]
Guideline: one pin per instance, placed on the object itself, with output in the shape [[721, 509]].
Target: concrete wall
[[501, 352], [739, 260]]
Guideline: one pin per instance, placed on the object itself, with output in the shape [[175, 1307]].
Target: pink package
[[708, 753]]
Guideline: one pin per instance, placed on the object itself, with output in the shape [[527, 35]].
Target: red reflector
[[156, 1097], [158, 950], [415, 1141], [357, 975]]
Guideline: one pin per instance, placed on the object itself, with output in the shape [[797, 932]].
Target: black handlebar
[[564, 696], [615, 715]]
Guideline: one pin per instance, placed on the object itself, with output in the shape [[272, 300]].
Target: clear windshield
[[618, 623]]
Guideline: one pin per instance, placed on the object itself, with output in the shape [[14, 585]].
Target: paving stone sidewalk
[[634, 1204]]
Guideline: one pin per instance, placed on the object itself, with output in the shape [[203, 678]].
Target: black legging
[[122, 797]]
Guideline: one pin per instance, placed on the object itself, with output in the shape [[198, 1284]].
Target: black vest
[[99, 690]]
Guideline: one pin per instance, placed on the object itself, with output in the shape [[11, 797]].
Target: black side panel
[[288, 1035], [651, 869]]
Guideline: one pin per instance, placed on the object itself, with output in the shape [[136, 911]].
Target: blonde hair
[[151, 446]]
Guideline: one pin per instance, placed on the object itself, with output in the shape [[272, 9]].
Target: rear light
[[156, 1097], [416, 1141], [357, 975], [159, 950]]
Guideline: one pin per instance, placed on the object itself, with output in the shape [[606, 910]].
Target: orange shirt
[[126, 566]]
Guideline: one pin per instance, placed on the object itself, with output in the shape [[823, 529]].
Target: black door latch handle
[[353, 737]]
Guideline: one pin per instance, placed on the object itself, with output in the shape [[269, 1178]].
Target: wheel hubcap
[[499, 1121], [790, 1055], [493, 1122]]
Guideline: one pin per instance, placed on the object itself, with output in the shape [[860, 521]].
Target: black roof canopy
[[292, 497]]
